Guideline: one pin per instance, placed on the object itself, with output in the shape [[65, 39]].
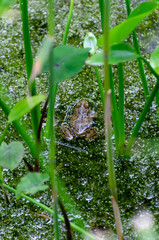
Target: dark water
[[84, 173]]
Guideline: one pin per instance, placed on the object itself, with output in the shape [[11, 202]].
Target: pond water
[[83, 170]]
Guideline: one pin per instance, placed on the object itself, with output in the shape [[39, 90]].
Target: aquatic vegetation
[[63, 62]]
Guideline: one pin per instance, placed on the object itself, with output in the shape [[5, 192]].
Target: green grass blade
[[141, 118], [24, 106], [115, 117], [121, 108], [120, 32], [146, 7], [64, 40], [35, 113]]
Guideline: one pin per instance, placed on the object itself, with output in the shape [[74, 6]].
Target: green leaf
[[24, 106], [42, 58], [144, 8], [120, 32], [5, 4], [154, 60], [118, 53], [32, 183], [11, 154], [90, 41], [68, 61]]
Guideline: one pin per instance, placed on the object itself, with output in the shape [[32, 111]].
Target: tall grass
[[35, 113], [107, 117]]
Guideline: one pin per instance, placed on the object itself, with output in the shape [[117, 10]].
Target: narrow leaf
[[154, 60], [120, 32], [24, 106], [118, 53], [5, 4], [143, 8], [11, 154], [32, 183]]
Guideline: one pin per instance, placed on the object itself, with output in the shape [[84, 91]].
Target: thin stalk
[[110, 162], [35, 113], [121, 108], [157, 102], [107, 118], [101, 6], [106, 47], [64, 43], [49, 210], [20, 129], [68, 23], [100, 85], [144, 111], [111, 170], [36, 169], [114, 105], [157, 77], [150, 68], [52, 164], [4, 133], [1, 175], [140, 63], [107, 91], [52, 97], [1, 183], [26, 35], [114, 110], [67, 222], [141, 67]]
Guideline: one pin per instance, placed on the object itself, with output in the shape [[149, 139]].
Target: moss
[[84, 174]]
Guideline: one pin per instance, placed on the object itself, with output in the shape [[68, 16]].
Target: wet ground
[[84, 169]]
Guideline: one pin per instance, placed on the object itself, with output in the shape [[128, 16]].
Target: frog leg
[[92, 133], [67, 133]]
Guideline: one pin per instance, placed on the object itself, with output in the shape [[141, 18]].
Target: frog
[[81, 123]]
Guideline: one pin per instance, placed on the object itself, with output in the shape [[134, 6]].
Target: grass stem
[[52, 97], [101, 6], [121, 108], [107, 118], [4, 133], [114, 110], [140, 63], [35, 113], [142, 117], [64, 40], [100, 85], [106, 46]]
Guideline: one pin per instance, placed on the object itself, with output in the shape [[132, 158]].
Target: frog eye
[[86, 105]]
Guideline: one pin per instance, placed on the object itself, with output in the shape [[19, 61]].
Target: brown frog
[[80, 123]]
